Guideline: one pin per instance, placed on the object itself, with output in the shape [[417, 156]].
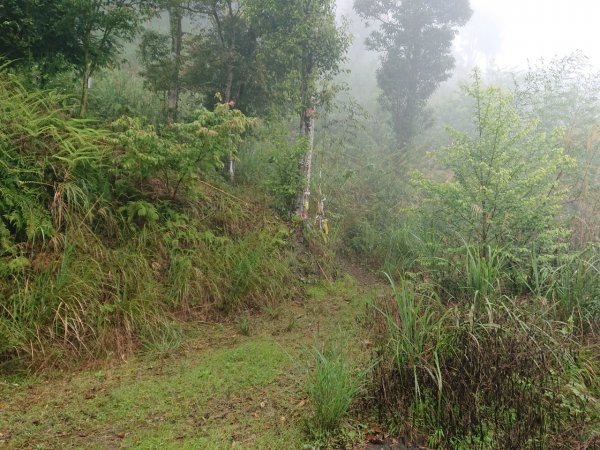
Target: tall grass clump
[[573, 286], [484, 271], [570, 281], [577, 290], [407, 338], [332, 387], [412, 321], [505, 376], [391, 246]]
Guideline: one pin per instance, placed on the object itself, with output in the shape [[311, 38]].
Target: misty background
[[503, 39], [511, 33]]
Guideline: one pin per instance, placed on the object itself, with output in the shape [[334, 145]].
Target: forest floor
[[228, 386]]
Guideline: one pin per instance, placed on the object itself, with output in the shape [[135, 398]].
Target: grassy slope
[[221, 390]]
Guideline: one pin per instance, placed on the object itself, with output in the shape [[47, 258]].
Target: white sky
[[513, 31]]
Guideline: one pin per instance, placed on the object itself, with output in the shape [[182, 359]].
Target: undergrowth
[[492, 372], [108, 238]]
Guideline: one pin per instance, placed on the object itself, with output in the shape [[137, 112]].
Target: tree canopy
[[415, 38]]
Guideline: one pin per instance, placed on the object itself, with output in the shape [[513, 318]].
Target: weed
[[412, 325], [496, 379], [273, 311], [332, 388], [162, 339], [484, 271], [577, 290], [291, 323], [244, 324]]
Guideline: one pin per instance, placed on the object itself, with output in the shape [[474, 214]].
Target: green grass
[[206, 400], [219, 389], [331, 388]]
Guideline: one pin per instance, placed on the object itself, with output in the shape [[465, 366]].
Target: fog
[[509, 33]]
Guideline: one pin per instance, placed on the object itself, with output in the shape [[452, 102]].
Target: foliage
[[501, 376], [269, 161], [111, 238], [59, 35], [371, 208], [118, 93], [99, 27], [505, 190], [230, 43], [264, 56], [31, 37], [331, 389], [162, 56], [415, 37], [176, 154], [49, 165], [301, 46], [155, 58], [572, 285], [564, 92], [105, 234]]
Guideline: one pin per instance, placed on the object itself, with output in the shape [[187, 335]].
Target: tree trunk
[[85, 88], [308, 130], [176, 19], [229, 83], [231, 170]]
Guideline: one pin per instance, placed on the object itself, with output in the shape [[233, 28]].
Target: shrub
[[505, 188], [165, 162]]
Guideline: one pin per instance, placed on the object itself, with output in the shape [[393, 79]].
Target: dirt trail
[[221, 390]]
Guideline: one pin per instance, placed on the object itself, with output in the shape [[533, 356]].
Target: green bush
[[165, 162], [503, 188]]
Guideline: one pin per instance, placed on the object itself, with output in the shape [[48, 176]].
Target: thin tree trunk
[[176, 18], [231, 103], [308, 129], [229, 83], [231, 170], [85, 88]]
